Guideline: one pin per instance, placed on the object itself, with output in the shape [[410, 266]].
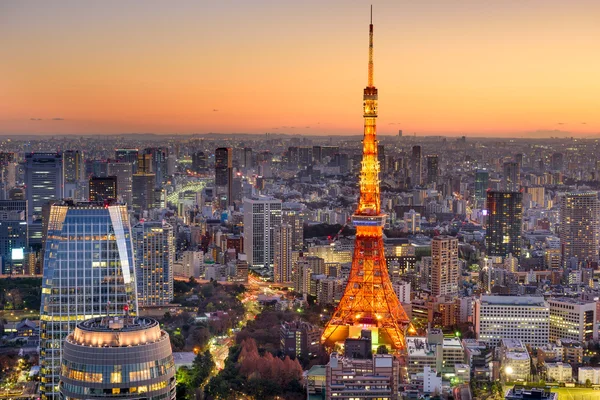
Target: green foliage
[[382, 349], [20, 293]]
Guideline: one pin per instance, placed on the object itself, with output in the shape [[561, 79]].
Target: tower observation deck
[[369, 301]]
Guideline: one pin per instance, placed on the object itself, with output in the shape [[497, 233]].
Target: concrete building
[[261, 217], [505, 214], [294, 219], [373, 378], [118, 357], [124, 173], [524, 318], [154, 247], [435, 351], [573, 319], [300, 339], [305, 268], [514, 360], [444, 268], [282, 259], [588, 373], [102, 188], [580, 227], [44, 181], [559, 372]]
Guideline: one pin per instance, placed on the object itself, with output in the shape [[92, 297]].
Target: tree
[[203, 366], [382, 349], [588, 383]]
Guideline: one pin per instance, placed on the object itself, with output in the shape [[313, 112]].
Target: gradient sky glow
[[442, 67]]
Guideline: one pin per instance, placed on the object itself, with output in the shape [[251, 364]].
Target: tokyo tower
[[369, 302]]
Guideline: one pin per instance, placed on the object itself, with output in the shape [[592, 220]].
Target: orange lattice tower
[[369, 302]]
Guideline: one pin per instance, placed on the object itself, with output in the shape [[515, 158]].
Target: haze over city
[[510, 68]]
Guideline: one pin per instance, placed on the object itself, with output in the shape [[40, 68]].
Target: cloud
[[394, 123], [58, 119], [560, 123], [214, 109], [548, 133], [307, 127], [35, 119], [584, 123]]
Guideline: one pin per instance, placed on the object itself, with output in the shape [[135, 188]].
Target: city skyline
[[507, 69]]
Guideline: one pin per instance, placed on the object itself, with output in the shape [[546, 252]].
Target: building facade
[[573, 319], [261, 217], [505, 213], [44, 181], [88, 272], [282, 259], [444, 267], [154, 249], [579, 227]]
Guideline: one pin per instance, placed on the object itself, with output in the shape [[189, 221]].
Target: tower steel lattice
[[369, 301]]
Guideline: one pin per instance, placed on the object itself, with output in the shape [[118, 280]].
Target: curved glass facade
[[88, 272]]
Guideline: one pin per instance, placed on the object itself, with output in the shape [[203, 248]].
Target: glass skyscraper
[[88, 273]]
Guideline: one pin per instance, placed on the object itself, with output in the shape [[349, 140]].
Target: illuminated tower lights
[[369, 301]]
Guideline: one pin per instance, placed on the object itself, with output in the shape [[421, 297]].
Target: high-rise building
[[573, 319], [102, 188], [199, 161], [43, 181], [144, 164], [444, 268], [503, 234], [128, 156], [305, 268], [118, 357], [74, 166], [482, 177], [579, 227], [538, 194], [512, 317], [294, 219], [14, 240], [381, 158], [124, 173], [154, 247], [369, 301], [159, 161], [556, 162], [510, 179], [282, 258], [142, 192], [416, 166], [224, 175], [432, 168], [88, 272], [300, 339], [261, 217]]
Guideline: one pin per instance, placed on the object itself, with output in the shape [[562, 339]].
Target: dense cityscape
[[286, 266]]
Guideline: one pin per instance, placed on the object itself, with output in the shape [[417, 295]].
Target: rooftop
[[514, 300]]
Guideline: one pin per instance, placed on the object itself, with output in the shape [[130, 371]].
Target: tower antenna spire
[[370, 79]]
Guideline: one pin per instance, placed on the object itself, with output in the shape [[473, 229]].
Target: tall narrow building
[[102, 188], [43, 181], [369, 301], [73, 166], [294, 219], [128, 156], [444, 265], [124, 173], [432, 168], [416, 166], [282, 259], [503, 233], [511, 176], [261, 216], [579, 227], [88, 273], [154, 249], [224, 175], [482, 181]]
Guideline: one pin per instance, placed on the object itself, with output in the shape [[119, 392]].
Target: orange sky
[[442, 67]]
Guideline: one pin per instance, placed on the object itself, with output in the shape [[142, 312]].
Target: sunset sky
[[449, 67]]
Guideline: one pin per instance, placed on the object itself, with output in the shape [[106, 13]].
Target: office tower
[[96, 168], [317, 155], [503, 233], [154, 247], [432, 168], [433, 350], [43, 180], [224, 176], [557, 162], [74, 166], [293, 157], [538, 194], [412, 221], [124, 173], [444, 267], [381, 158], [375, 377], [14, 240], [329, 152], [261, 216], [510, 179], [294, 219], [199, 161], [573, 319], [305, 157], [579, 227], [482, 178], [144, 164], [88, 272], [128, 156], [369, 300], [528, 322], [248, 160], [416, 167], [118, 357], [282, 258], [158, 161], [143, 192], [102, 189]]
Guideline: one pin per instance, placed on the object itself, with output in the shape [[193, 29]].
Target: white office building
[[573, 319], [261, 217], [524, 318], [559, 372]]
